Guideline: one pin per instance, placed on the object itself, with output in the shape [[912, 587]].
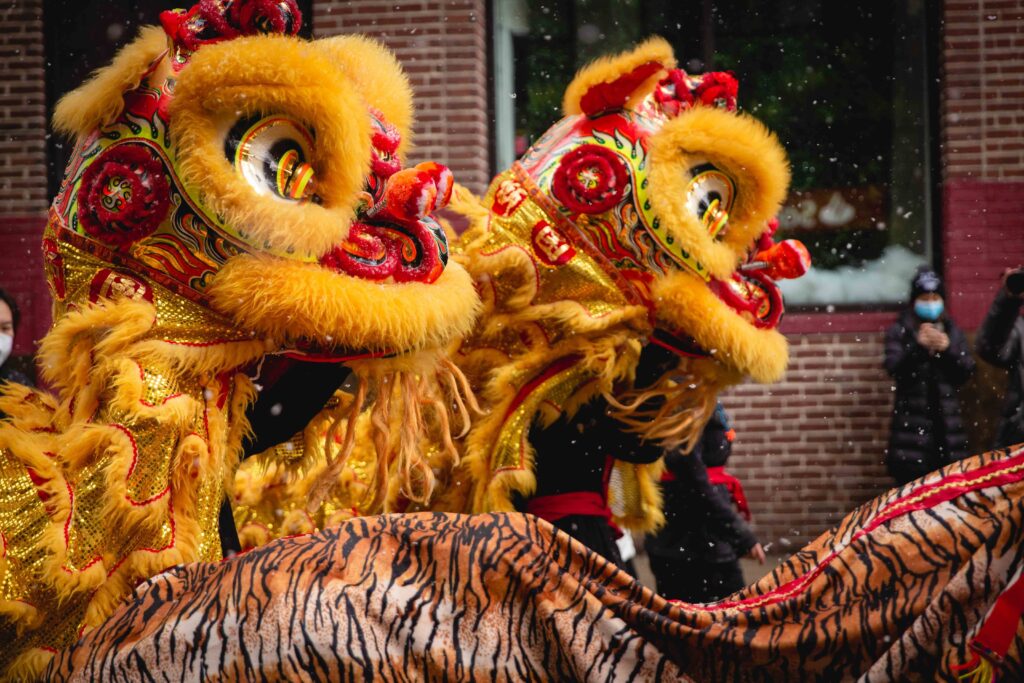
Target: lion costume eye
[[710, 195], [273, 154]]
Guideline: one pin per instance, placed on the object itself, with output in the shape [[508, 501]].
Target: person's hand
[[757, 553], [926, 336], [932, 339]]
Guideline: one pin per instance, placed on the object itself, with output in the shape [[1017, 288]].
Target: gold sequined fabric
[[120, 474], [559, 326]]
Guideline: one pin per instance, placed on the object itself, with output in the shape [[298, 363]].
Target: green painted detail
[[641, 184]]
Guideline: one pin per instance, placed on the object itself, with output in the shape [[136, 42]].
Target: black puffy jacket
[[1001, 342], [927, 428]]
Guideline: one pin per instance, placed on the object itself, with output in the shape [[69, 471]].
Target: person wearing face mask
[[9, 318], [928, 357]]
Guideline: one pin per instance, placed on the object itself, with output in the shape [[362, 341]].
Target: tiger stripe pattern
[[894, 592]]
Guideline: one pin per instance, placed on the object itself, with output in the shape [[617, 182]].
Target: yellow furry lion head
[[676, 193], [261, 175]]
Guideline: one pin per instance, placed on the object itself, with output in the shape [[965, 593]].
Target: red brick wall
[[23, 199], [982, 124], [809, 449], [442, 45]]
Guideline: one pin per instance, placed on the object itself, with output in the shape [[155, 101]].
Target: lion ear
[[610, 82], [99, 100]]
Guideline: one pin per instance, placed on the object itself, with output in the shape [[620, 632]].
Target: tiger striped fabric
[[895, 592]]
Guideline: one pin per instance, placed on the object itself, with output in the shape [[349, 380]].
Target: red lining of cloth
[[998, 473]]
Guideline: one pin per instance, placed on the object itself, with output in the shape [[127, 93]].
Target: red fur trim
[[607, 96]]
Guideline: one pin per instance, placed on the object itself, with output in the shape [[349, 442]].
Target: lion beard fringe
[[399, 402]]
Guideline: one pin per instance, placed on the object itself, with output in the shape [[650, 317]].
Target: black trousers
[[696, 581]]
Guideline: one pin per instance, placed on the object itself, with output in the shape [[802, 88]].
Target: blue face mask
[[928, 310]]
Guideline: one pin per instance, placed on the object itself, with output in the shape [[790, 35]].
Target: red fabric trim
[[998, 473], [674, 349], [334, 359], [555, 507], [563, 363], [999, 627], [718, 475]]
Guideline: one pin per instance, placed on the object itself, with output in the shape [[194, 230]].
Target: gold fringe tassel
[[415, 397]]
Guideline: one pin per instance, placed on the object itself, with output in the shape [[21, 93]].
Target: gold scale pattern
[[122, 515], [548, 301]]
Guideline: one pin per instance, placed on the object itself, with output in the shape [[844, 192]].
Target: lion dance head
[[261, 176], [644, 216]]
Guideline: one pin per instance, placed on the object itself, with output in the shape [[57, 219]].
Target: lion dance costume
[[234, 192], [643, 215]]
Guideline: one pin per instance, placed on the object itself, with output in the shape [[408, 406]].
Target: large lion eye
[[273, 154], [710, 196]]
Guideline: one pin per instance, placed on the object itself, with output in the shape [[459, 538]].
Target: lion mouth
[[751, 290], [391, 251], [753, 295], [395, 237]]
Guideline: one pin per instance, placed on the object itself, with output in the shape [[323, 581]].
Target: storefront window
[[845, 86]]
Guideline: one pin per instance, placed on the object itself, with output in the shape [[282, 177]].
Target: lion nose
[[412, 194], [786, 260]]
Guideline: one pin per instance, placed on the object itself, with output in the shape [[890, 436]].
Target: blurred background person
[[10, 317], [928, 357], [696, 556], [1001, 342]]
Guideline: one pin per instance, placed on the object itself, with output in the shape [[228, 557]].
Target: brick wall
[[982, 124], [442, 45], [23, 199], [809, 449]]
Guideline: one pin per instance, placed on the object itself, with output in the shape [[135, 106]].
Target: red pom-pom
[[443, 180], [673, 93], [410, 194], [786, 260], [254, 17], [211, 21], [590, 179], [124, 195], [718, 89]]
